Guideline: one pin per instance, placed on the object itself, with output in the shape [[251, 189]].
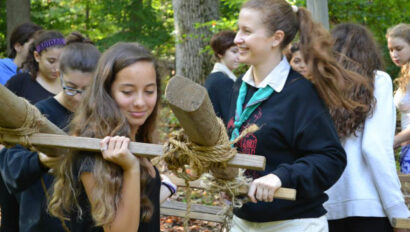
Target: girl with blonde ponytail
[[297, 134]]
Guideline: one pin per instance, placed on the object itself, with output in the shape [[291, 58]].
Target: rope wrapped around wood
[[32, 123], [189, 161]]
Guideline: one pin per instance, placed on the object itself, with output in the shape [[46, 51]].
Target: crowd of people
[[325, 108]]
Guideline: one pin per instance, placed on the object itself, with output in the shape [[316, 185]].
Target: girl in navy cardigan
[[297, 135]]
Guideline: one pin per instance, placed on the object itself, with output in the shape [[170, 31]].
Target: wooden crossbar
[[401, 223], [281, 193], [147, 150], [404, 178], [201, 212]]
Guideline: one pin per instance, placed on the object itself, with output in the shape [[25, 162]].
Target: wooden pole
[[13, 113], [191, 105], [319, 10], [141, 149], [281, 193]]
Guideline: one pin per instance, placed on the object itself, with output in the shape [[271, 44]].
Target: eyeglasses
[[68, 90]]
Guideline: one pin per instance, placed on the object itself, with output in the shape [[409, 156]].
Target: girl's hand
[[48, 161], [263, 188], [115, 149]]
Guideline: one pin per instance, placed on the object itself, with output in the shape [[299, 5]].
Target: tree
[[18, 12], [191, 39], [319, 11]]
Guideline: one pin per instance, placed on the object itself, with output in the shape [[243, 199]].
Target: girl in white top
[[398, 42], [368, 192]]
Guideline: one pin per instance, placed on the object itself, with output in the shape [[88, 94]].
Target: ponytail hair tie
[[295, 9]]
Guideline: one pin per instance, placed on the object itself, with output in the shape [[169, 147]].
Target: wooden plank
[[194, 207], [407, 199], [404, 178], [192, 215], [401, 223], [201, 212], [281, 193], [147, 150], [191, 105]]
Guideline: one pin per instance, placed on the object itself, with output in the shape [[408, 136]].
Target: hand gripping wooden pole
[[13, 111]]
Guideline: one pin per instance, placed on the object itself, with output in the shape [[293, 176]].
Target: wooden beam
[[141, 149], [200, 212], [191, 105], [404, 178], [401, 223], [13, 112], [281, 193]]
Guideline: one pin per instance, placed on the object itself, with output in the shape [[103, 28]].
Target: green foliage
[[151, 22], [106, 22], [3, 29], [377, 15]]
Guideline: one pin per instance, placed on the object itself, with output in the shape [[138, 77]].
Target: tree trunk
[[319, 11], [18, 12], [191, 61]]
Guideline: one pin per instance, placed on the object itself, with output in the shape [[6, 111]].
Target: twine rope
[[189, 161], [34, 119]]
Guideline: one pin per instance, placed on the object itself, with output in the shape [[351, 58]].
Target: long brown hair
[[402, 31], [100, 116], [356, 50], [331, 80]]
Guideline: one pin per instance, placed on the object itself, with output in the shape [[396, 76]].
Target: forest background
[[152, 22], [178, 33]]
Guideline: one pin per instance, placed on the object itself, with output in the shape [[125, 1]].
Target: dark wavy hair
[[330, 79], [99, 116], [30, 65], [357, 51], [22, 34]]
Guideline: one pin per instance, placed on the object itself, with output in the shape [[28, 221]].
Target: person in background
[[219, 82], [20, 41], [398, 43], [40, 77], [367, 196], [296, 60]]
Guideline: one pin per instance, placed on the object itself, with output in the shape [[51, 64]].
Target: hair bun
[[77, 37]]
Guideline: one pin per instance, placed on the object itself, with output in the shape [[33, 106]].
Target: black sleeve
[[15, 83], [219, 88], [20, 168], [322, 161]]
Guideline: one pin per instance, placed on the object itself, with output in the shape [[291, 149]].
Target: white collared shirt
[[219, 67], [275, 79]]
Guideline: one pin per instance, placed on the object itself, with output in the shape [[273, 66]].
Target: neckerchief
[[243, 113]]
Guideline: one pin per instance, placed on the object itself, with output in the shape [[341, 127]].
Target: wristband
[[171, 187]]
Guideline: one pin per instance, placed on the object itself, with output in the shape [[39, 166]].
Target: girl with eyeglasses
[[26, 173]]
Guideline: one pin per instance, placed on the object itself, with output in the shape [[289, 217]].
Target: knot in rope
[[189, 161], [32, 122]]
